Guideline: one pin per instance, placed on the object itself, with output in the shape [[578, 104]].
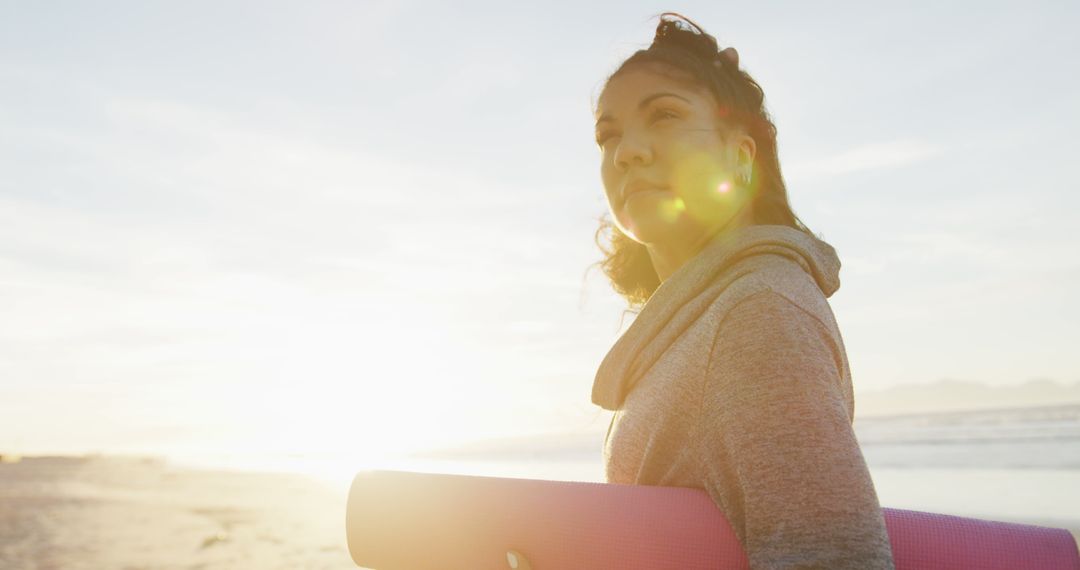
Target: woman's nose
[[631, 150]]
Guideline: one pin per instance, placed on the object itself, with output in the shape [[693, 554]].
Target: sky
[[308, 227]]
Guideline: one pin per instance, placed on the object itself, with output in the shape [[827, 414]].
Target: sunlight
[[670, 209], [716, 189], [328, 389]]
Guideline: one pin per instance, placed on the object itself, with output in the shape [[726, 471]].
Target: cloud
[[869, 156]]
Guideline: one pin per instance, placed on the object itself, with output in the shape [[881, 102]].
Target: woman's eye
[[603, 138], [664, 114]]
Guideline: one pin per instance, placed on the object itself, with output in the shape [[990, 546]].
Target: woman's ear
[[744, 157]]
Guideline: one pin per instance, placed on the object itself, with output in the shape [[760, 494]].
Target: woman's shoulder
[[774, 280], [778, 324]]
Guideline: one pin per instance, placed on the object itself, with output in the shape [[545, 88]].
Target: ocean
[[1016, 465], [1012, 465]]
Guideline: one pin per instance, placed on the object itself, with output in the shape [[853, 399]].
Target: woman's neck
[[668, 257]]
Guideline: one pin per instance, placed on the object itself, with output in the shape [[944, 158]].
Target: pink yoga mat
[[398, 520]]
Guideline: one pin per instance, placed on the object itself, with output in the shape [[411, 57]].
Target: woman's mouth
[[639, 187]]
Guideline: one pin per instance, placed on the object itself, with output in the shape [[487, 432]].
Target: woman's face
[[669, 173]]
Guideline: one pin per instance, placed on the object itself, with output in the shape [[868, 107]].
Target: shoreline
[[130, 511]]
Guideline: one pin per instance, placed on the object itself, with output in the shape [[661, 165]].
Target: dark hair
[[682, 49]]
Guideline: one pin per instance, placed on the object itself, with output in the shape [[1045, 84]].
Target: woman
[[733, 377]]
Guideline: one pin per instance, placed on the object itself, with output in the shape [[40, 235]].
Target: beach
[[131, 513], [69, 513], [144, 514]]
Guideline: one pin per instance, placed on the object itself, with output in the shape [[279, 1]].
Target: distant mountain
[[940, 396], [959, 395]]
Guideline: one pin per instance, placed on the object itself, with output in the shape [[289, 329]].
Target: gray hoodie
[[733, 379]]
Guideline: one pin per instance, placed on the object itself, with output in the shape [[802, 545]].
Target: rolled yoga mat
[[400, 520]]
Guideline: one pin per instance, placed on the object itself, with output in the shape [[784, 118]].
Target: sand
[[143, 514], [103, 513]]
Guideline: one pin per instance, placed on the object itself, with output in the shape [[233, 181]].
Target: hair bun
[[730, 56], [676, 30]]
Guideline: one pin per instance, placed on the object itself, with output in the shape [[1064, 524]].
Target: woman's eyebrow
[[641, 105]]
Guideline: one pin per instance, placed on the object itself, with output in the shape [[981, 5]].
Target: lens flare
[[724, 187], [670, 209]]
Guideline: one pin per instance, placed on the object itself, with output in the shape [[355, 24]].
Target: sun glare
[[670, 209]]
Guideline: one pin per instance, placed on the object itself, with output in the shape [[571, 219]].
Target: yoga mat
[[401, 520]]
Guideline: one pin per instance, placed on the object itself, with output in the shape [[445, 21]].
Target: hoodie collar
[[686, 294]]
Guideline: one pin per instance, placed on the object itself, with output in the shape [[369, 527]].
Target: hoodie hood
[[689, 291]]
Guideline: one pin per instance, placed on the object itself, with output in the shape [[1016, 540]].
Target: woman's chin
[[651, 230], [650, 219]]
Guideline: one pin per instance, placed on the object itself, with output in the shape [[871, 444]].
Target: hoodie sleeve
[[779, 454]]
